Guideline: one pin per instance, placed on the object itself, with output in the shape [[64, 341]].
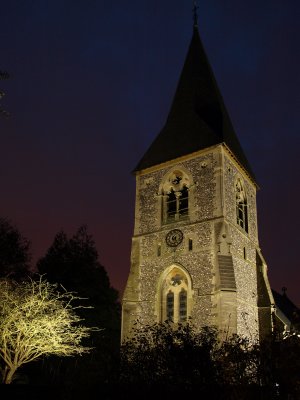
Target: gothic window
[[241, 206], [182, 305], [170, 306], [175, 197], [174, 296]]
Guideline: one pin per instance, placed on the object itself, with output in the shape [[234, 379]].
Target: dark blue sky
[[91, 86]]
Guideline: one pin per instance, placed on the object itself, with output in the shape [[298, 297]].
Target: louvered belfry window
[[175, 205]]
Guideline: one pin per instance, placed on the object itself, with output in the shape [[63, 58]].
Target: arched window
[[175, 197], [241, 205], [174, 296]]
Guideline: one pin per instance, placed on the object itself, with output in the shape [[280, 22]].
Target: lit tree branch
[[37, 320]]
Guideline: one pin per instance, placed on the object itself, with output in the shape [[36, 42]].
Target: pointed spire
[[195, 14], [198, 117]]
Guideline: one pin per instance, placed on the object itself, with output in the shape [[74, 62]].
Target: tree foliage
[[181, 355], [37, 320], [280, 364], [14, 251], [179, 358], [73, 262]]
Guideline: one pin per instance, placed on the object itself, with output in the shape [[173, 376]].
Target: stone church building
[[195, 249]]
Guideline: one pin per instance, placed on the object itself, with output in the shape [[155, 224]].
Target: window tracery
[[174, 296]]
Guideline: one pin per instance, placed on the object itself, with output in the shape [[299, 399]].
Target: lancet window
[[175, 197], [170, 306], [182, 305], [241, 205]]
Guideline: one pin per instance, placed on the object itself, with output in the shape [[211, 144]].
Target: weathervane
[[195, 8]]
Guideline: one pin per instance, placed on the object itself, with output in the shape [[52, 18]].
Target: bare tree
[[37, 320]]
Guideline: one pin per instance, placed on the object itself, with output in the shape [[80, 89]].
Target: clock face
[[174, 237]]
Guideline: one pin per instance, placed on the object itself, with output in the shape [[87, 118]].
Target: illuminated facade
[[195, 250]]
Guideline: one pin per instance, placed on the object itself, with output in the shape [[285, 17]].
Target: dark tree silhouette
[[182, 359], [178, 360], [14, 252], [73, 263], [3, 75], [280, 364]]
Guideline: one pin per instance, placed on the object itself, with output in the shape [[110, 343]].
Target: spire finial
[[284, 290], [195, 8]]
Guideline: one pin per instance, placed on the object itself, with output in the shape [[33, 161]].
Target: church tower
[[195, 251]]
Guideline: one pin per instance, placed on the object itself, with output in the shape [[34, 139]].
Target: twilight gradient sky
[[91, 86]]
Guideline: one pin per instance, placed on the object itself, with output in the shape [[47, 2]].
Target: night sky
[[91, 85]]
